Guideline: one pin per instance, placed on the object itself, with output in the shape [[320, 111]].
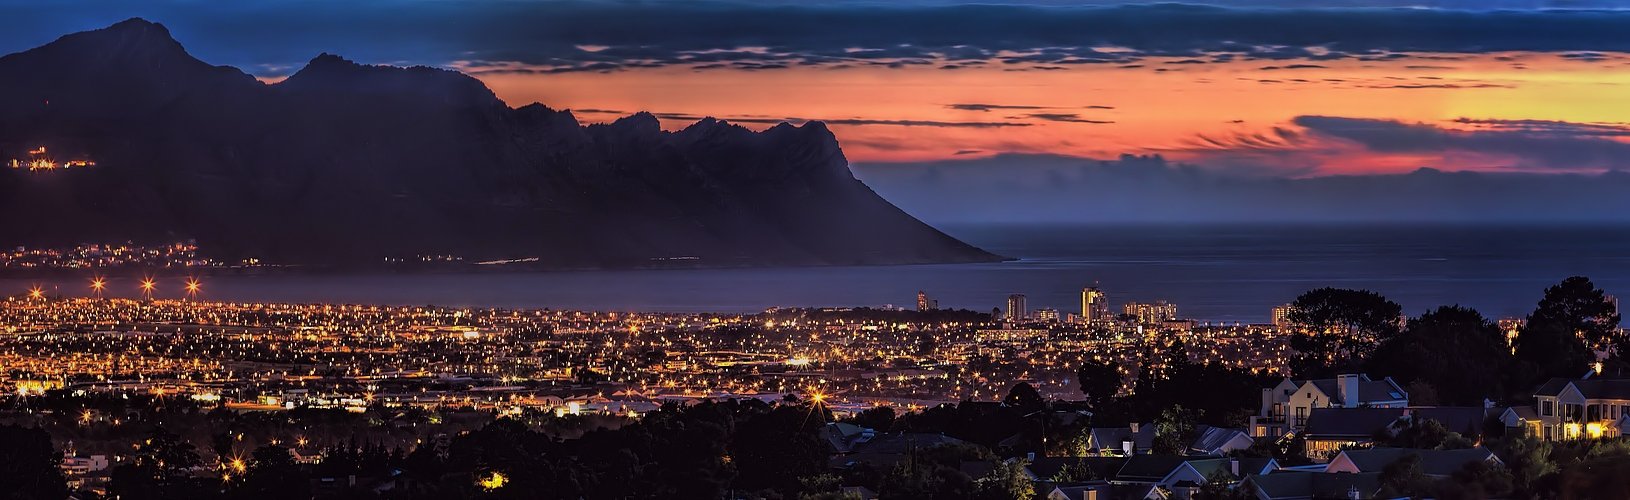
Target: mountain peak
[[330, 72], [138, 24], [136, 36]]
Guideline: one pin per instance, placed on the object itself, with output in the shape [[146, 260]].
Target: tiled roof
[[1350, 422], [1433, 462]]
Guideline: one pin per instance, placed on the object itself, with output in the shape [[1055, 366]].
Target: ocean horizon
[[1220, 273]]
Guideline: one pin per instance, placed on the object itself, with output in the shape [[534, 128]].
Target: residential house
[[1288, 405], [1121, 441], [1139, 439], [1219, 441], [1434, 463], [1100, 490], [1307, 485], [1573, 409], [889, 449], [1469, 421], [1331, 430]]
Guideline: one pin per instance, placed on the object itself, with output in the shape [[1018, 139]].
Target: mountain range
[[346, 164]]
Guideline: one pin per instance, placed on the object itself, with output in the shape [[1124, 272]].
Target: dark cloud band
[[528, 36]]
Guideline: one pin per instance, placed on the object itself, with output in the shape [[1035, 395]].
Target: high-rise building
[[1016, 307], [1151, 313], [1047, 314], [1094, 305], [1281, 316], [924, 303]]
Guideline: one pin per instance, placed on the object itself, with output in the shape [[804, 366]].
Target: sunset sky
[[1245, 87]]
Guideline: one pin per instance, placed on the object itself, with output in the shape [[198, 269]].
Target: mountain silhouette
[[344, 164]]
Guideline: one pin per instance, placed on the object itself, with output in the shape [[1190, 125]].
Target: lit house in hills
[[1287, 405], [1573, 409]]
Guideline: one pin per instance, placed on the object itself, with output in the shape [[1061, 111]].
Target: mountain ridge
[[349, 164]]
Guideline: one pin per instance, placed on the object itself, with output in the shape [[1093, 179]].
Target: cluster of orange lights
[[37, 160], [148, 286]]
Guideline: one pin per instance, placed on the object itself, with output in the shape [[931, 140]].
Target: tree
[[1428, 434], [1530, 462], [1339, 329], [1456, 352], [1404, 478], [1479, 479], [880, 418], [273, 474], [28, 465], [1024, 398], [776, 448], [1100, 381], [159, 468], [1007, 481], [1074, 472], [1174, 430], [1572, 319], [1220, 486]]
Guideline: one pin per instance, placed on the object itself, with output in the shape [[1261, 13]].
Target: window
[[1545, 410], [1547, 433], [1301, 416], [1593, 413]]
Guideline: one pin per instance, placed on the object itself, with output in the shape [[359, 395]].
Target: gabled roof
[[1257, 465], [1301, 484], [1107, 491], [1212, 439], [1433, 462], [1149, 468], [1207, 467], [1602, 388], [1552, 387], [1102, 467], [1369, 391], [1349, 422], [1110, 438]]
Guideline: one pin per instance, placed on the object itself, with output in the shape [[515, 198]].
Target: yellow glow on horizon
[[1166, 112]]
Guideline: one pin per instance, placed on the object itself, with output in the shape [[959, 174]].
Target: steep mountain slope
[[345, 164]]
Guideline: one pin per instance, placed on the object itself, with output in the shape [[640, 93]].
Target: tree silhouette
[[29, 465], [1339, 329]]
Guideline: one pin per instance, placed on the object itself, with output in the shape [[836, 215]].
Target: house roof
[[1102, 467], [1602, 388], [1466, 420], [1349, 422], [904, 442], [1302, 484], [1552, 387], [1369, 391], [1108, 491], [1207, 467], [1433, 462], [1257, 465], [1212, 439], [1110, 438], [1149, 468], [1524, 412]]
